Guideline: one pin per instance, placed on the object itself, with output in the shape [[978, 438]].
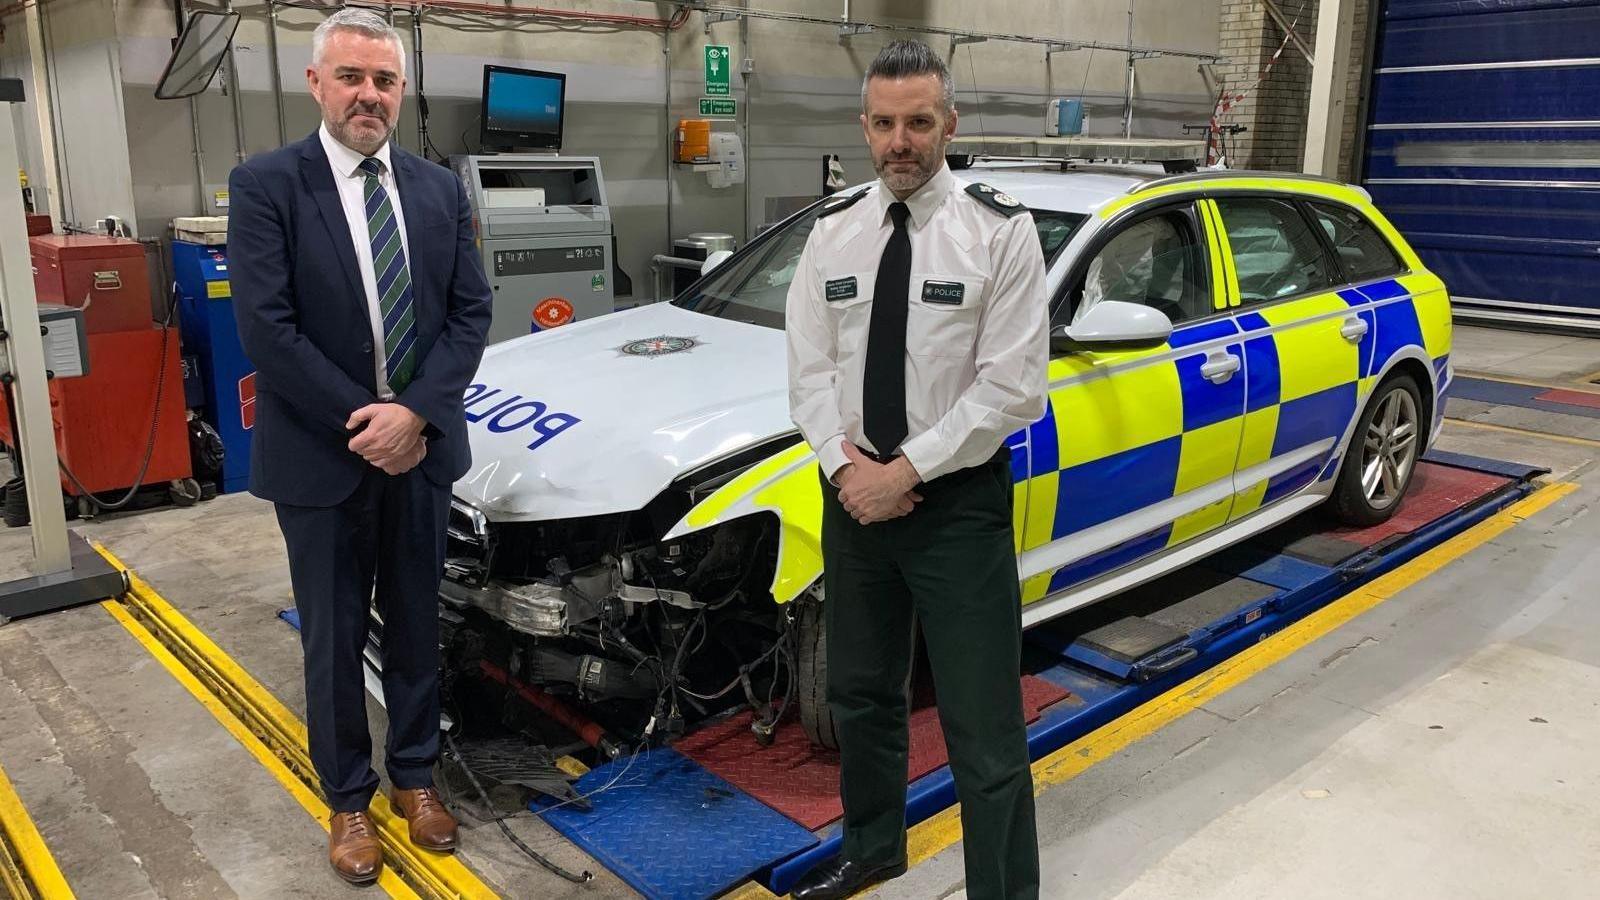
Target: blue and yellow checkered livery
[[1139, 452]]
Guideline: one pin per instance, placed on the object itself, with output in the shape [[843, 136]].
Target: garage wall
[[16, 62], [80, 37], [800, 101]]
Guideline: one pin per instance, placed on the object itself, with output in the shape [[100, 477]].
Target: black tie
[[884, 394]]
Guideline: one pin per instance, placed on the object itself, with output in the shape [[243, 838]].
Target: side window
[[1275, 253], [1157, 261], [1362, 251]]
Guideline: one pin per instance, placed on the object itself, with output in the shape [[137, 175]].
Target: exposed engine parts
[[644, 634]]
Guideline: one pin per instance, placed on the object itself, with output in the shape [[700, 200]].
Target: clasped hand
[[392, 439], [875, 492]]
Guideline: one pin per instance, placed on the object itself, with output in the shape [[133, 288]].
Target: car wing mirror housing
[[1113, 325]]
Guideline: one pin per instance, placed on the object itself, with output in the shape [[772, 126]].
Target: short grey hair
[[908, 59], [363, 21]]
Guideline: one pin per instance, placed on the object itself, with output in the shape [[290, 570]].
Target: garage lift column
[[67, 572], [1330, 74]]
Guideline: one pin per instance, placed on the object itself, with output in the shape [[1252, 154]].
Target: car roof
[[1084, 188]]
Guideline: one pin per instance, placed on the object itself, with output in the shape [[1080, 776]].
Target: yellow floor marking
[[33, 856], [446, 871], [749, 891], [944, 829], [311, 803], [1542, 435], [572, 767]]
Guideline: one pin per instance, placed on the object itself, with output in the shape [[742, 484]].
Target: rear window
[[1362, 251]]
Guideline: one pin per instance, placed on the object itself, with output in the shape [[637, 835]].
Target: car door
[[1136, 450], [1303, 347]]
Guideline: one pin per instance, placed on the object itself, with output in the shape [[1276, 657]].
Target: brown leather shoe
[[432, 826], [353, 847]]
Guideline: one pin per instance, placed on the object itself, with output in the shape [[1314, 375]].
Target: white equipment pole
[[67, 572]]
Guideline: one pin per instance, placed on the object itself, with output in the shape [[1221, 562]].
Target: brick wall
[[1275, 110]]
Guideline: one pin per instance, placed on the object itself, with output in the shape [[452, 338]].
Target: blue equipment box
[[206, 322]]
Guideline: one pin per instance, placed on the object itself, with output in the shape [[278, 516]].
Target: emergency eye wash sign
[[717, 61]]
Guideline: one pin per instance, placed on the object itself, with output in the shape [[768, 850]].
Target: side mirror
[[717, 258], [1113, 325]]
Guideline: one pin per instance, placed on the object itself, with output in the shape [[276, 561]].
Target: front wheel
[[1383, 455], [811, 674]]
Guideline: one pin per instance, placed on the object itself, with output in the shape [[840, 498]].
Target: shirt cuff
[[927, 455], [830, 456]]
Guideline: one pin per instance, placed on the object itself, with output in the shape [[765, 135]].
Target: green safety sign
[[717, 107], [717, 69]]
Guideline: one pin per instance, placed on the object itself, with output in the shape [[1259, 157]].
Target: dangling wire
[[977, 96], [511, 836]]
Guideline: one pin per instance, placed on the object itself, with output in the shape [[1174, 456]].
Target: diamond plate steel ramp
[[674, 831], [1436, 491], [801, 781]]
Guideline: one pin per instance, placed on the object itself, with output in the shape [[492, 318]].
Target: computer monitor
[[522, 109]]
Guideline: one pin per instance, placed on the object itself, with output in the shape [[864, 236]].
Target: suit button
[[366, 346]]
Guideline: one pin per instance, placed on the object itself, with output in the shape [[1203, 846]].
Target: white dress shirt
[[351, 181], [976, 355]]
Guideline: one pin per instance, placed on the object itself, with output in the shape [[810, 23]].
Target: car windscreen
[[754, 285]]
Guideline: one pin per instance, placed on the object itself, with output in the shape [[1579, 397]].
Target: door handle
[[1220, 367], [1354, 329]]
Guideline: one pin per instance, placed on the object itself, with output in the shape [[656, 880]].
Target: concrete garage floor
[[1434, 746]]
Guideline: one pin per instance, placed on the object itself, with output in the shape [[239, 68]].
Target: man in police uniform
[[917, 330]]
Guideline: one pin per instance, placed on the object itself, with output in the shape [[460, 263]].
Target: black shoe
[[839, 878]]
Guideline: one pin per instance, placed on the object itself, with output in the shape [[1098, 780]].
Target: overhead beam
[[1283, 22]]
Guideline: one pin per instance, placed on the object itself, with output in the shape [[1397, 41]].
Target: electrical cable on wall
[[977, 96], [484, 16]]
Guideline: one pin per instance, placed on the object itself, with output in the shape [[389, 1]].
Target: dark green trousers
[[951, 566]]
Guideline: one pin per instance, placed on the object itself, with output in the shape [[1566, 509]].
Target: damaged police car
[[638, 537]]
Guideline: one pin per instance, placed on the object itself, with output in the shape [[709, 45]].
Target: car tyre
[[811, 665], [1383, 454]]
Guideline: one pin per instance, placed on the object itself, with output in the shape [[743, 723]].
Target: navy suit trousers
[[381, 549]]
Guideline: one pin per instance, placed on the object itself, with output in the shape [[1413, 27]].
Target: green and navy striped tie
[[394, 280]]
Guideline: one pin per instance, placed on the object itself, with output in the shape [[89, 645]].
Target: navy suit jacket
[[304, 322]]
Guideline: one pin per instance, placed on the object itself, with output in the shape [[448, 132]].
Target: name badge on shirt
[[840, 289], [949, 293]]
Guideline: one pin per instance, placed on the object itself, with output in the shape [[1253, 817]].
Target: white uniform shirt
[[351, 181], [976, 356]]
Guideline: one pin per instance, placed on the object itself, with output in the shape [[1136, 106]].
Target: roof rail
[[1213, 174]]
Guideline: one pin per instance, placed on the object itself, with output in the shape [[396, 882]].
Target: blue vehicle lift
[[671, 829]]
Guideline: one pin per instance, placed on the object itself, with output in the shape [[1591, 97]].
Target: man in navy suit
[[363, 304]]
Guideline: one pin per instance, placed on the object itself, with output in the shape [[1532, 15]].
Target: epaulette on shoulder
[[1002, 203], [844, 204]]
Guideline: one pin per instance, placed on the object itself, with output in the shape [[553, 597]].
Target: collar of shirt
[[924, 201], [345, 161]]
